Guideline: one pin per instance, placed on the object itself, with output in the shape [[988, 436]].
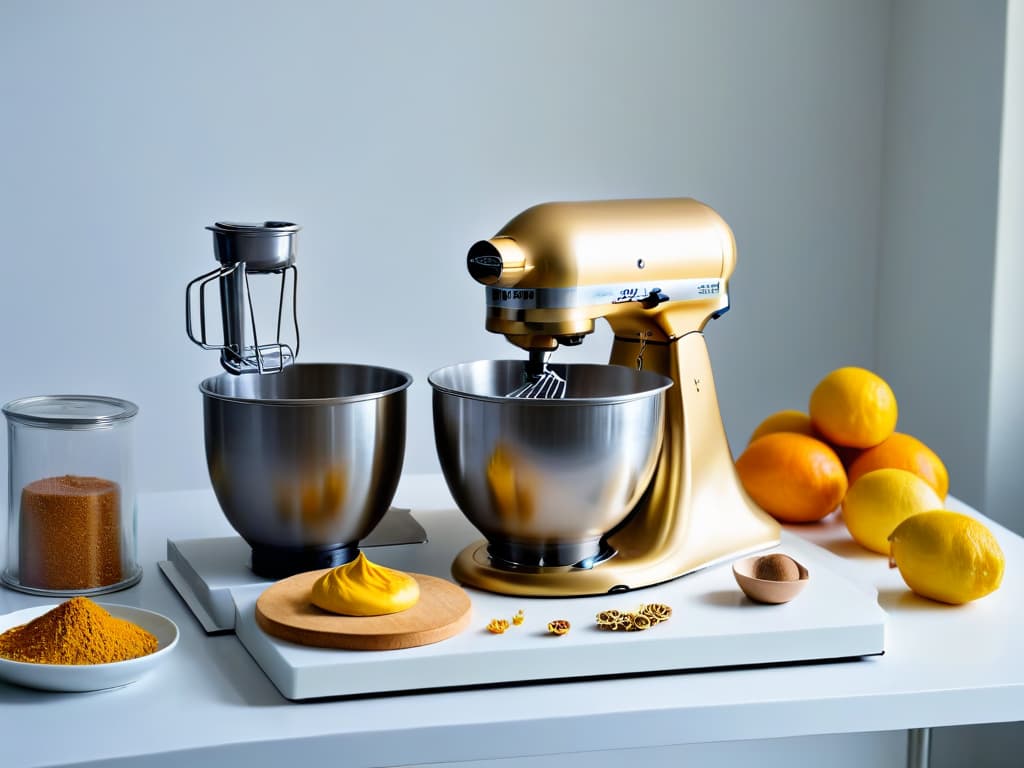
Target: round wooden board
[[284, 610]]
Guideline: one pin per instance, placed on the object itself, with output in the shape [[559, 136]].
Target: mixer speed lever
[[654, 298]]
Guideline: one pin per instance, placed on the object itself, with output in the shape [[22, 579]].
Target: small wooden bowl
[[767, 590]]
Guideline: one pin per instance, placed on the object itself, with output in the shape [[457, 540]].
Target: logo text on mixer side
[[631, 294], [512, 294]]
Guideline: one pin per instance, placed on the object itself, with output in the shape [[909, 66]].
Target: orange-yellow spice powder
[[77, 631]]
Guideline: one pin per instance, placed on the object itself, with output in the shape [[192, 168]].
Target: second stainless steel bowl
[[546, 480], [305, 462]]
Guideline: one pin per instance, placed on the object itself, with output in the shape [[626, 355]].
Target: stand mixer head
[[657, 270]]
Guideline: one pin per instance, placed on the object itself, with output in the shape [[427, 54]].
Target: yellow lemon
[[881, 500], [947, 556], [853, 407], [784, 421]]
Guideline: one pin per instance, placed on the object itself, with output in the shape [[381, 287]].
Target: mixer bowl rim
[[255, 229], [659, 384], [298, 402]]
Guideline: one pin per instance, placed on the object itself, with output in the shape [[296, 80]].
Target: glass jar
[[71, 495]]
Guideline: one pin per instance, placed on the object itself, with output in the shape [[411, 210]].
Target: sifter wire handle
[[202, 281]]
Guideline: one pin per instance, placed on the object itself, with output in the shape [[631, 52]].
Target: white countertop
[[943, 666]]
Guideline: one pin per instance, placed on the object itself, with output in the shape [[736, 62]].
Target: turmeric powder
[[77, 631]]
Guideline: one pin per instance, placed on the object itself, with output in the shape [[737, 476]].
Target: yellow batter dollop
[[361, 588]]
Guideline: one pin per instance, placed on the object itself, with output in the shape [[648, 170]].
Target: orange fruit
[[792, 477], [879, 501], [784, 421], [853, 407], [901, 451]]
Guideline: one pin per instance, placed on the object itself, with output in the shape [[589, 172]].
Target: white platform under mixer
[[713, 626]]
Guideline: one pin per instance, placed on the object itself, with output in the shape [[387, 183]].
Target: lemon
[[947, 556], [880, 500], [853, 407], [784, 421]]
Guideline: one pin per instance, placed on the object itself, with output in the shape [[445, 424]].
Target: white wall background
[[853, 147], [1004, 484], [940, 191], [397, 133], [950, 272]]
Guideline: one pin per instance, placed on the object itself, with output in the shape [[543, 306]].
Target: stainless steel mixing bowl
[[545, 480], [305, 462]]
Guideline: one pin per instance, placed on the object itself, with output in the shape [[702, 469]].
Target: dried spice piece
[[657, 612], [641, 622], [519, 618], [497, 626], [609, 620], [77, 631], [559, 627], [636, 621]]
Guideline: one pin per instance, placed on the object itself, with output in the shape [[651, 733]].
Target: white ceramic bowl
[[89, 677]]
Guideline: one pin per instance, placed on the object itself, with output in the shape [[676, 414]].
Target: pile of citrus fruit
[[845, 451]]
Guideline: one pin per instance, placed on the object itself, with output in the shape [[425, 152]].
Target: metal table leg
[[918, 747]]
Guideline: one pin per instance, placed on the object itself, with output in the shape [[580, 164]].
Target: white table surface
[[211, 704]]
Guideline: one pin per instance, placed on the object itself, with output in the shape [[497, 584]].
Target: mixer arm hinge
[[640, 354]]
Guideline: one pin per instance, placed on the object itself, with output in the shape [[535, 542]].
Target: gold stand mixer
[[657, 271]]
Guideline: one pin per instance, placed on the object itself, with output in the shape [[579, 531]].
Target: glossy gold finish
[[623, 243], [657, 270]]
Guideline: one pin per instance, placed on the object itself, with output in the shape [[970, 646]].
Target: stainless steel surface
[[919, 747], [308, 459], [235, 312], [540, 380], [244, 249], [544, 480], [545, 385], [266, 247]]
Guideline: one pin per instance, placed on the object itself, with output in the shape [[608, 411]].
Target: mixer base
[[510, 556], [474, 567]]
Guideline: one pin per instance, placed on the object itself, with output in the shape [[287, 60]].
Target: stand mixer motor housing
[[657, 271]]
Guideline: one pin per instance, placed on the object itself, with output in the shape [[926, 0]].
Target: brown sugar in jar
[[70, 533], [71, 504]]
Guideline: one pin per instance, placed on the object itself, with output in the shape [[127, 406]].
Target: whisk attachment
[[541, 383]]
